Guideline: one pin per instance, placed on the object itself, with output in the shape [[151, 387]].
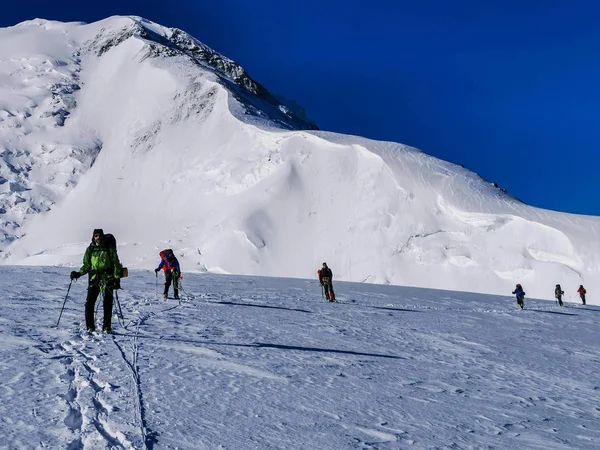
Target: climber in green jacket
[[103, 267]]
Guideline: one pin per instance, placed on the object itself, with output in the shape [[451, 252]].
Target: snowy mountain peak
[[145, 132], [172, 42]]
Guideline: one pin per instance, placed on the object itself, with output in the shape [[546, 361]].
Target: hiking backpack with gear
[[169, 261], [166, 254], [110, 241]]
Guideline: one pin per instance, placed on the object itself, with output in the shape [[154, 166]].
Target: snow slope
[[265, 363], [145, 132]]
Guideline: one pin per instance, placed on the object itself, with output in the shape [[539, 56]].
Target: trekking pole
[[97, 302], [102, 288], [322, 292], [120, 310], [156, 287], [63, 305]]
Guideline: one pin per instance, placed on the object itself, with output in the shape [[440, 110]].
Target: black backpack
[[111, 242]]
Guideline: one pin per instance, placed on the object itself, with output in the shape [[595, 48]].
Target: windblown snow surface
[[143, 131], [264, 363]]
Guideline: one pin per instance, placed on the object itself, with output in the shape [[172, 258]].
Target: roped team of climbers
[[101, 263], [558, 294]]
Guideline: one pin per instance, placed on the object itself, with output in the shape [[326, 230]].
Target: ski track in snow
[[246, 362]]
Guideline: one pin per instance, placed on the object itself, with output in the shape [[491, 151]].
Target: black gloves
[[114, 283], [75, 275], [156, 270]]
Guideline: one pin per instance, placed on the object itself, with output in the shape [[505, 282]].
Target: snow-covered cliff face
[[145, 132], [43, 66]]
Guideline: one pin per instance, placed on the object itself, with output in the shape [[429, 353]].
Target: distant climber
[[170, 265], [582, 293], [326, 280], [558, 293], [520, 293]]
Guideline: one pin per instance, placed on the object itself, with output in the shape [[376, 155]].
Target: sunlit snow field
[[266, 363]]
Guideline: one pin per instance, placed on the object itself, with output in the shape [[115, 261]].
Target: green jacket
[[102, 263]]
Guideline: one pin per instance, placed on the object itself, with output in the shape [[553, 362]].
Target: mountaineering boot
[[165, 296], [176, 296], [107, 330], [91, 330]]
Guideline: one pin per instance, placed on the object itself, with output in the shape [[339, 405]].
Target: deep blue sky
[[509, 89]]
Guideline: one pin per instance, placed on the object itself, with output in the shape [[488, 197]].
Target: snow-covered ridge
[[142, 130]]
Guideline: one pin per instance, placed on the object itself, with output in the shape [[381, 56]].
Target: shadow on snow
[[262, 306], [555, 312], [396, 309], [261, 345]]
